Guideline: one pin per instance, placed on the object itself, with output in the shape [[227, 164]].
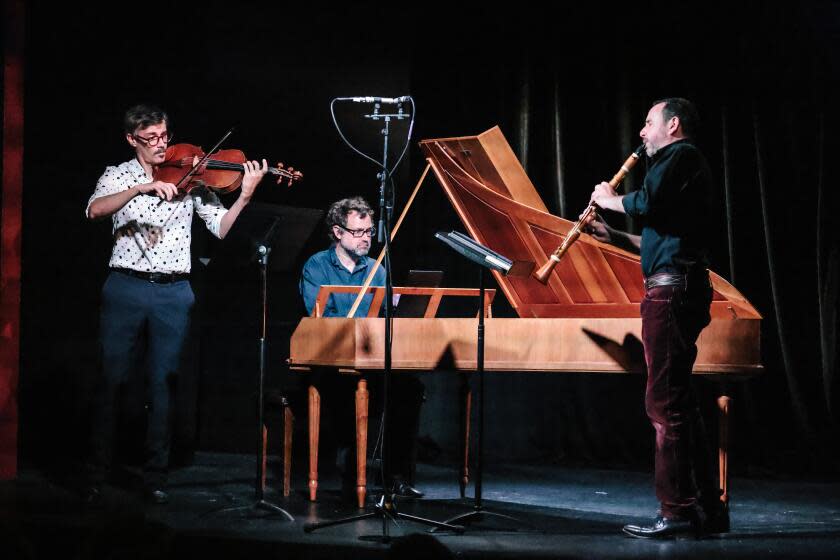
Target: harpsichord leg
[[361, 441], [724, 403], [466, 410], [314, 427]]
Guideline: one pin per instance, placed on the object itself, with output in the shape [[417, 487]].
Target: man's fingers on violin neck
[[254, 166]]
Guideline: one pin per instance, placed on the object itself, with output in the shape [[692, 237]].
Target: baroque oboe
[[544, 271]]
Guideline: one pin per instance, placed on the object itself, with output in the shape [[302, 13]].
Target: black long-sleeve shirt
[[674, 204]]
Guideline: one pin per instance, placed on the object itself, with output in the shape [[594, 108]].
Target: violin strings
[[219, 164]]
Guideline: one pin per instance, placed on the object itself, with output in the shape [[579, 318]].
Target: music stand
[[414, 306], [484, 258], [253, 237]]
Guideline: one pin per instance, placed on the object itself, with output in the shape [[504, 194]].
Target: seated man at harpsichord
[[350, 230]]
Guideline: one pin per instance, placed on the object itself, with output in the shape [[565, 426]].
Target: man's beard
[[360, 251]]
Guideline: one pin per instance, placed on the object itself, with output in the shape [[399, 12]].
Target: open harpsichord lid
[[501, 209]]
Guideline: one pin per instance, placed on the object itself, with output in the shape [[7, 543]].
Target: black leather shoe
[[402, 489], [156, 496], [663, 528]]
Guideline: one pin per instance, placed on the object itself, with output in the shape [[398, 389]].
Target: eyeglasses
[[153, 141], [371, 231]]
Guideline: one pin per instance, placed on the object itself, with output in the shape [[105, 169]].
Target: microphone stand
[[386, 508]]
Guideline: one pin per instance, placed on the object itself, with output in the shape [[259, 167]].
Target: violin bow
[[192, 171], [207, 155]]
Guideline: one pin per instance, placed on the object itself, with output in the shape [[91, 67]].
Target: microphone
[[386, 100]]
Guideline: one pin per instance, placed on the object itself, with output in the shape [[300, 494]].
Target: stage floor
[[561, 513]]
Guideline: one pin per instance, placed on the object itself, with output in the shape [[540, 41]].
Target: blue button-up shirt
[[324, 269]]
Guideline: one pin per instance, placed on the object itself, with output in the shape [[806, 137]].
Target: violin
[[222, 171]]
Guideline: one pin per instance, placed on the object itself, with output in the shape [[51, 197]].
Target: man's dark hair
[[338, 212], [684, 110], [142, 116]]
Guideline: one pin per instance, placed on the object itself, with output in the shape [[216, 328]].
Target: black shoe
[[402, 489], [156, 496], [716, 519], [663, 528], [92, 495]]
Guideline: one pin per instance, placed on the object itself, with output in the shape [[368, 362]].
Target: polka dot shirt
[[150, 235]]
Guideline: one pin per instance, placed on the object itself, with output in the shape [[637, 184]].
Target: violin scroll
[[285, 174]]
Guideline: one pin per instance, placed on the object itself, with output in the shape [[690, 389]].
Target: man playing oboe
[[672, 204]]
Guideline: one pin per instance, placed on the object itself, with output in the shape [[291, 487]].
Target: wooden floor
[[557, 512]]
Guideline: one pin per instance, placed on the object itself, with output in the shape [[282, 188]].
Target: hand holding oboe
[[598, 228], [544, 271]]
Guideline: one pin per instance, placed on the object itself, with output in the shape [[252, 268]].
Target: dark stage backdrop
[[570, 94]]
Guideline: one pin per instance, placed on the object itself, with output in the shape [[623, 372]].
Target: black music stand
[[484, 258], [254, 235]]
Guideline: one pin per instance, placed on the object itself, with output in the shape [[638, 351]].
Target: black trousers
[[131, 308]]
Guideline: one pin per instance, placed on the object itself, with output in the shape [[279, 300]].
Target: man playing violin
[[148, 292], [672, 204]]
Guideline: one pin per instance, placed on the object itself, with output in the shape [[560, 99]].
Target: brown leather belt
[[154, 277]]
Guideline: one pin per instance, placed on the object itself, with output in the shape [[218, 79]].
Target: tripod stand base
[[386, 510], [478, 515], [259, 505]]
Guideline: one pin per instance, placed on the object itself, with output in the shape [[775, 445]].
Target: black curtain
[[570, 93]]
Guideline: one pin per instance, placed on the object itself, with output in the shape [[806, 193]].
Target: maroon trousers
[[672, 318]]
